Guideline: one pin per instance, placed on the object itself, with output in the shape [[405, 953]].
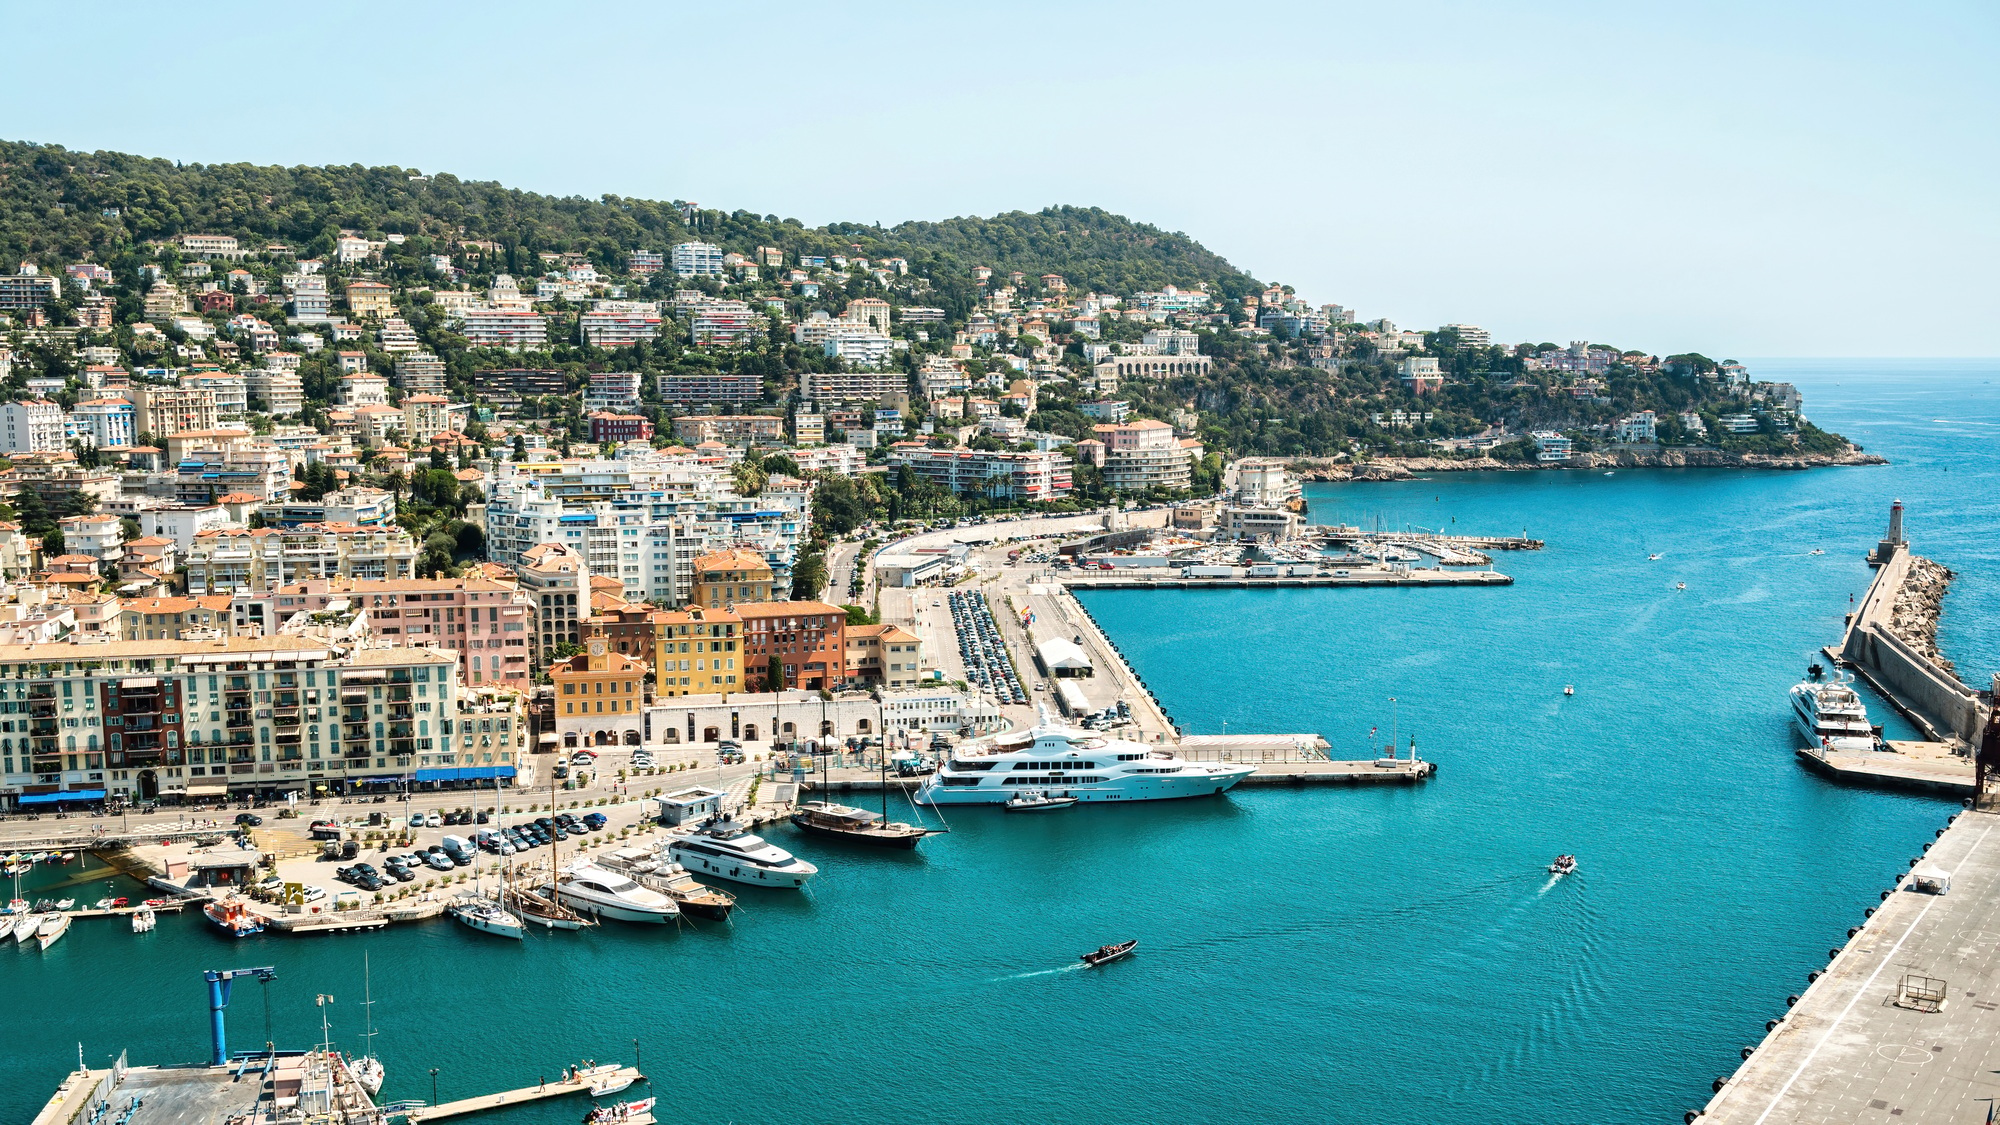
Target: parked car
[[349, 849], [249, 820], [433, 820], [595, 821], [314, 894]]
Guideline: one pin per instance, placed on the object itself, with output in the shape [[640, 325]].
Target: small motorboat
[[1034, 800], [143, 920], [1569, 689], [1680, 585], [233, 918], [620, 1111], [1105, 954], [1652, 558], [1815, 551], [65, 904], [614, 1082], [53, 926], [1564, 865]]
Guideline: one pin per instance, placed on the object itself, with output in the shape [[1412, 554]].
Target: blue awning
[[467, 773], [67, 795]]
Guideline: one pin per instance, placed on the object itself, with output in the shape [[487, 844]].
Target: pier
[[1171, 580], [1924, 767], [509, 1098], [1903, 1024]]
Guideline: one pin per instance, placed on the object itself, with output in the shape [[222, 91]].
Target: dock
[[1903, 1023], [509, 1098], [1170, 580], [1923, 767]]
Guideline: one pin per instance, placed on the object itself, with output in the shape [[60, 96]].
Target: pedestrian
[[545, 1085]]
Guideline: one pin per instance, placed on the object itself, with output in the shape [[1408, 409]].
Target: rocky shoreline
[[1919, 605], [1403, 468]]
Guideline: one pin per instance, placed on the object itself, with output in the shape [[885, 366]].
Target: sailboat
[[367, 1070], [859, 825], [542, 905], [488, 914]]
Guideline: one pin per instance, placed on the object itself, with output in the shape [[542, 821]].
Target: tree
[[808, 577], [52, 543], [776, 675]]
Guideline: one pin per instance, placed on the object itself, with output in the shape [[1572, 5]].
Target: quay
[[1924, 767], [1371, 771], [509, 1098], [1903, 1024], [1115, 580]]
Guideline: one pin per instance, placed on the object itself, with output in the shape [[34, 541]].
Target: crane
[[218, 999]]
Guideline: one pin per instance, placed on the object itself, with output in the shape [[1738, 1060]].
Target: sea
[[1385, 955]]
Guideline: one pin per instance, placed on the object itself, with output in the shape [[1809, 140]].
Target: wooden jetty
[[508, 1098]]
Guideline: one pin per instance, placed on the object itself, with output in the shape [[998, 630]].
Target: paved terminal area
[[1869, 1042]]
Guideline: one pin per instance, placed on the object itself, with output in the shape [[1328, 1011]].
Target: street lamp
[[635, 1057], [434, 1085]]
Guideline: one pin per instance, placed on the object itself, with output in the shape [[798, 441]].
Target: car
[[479, 818], [439, 861], [398, 872], [349, 849], [249, 820], [595, 820], [368, 883], [341, 873], [433, 820], [313, 894], [416, 820]]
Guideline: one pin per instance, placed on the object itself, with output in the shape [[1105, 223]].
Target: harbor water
[[1381, 954]]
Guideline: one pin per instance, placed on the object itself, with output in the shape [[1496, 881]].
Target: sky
[[1741, 179]]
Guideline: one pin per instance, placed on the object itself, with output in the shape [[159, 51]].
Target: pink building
[[485, 622]]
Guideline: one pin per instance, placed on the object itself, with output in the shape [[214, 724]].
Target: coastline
[[1404, 468]]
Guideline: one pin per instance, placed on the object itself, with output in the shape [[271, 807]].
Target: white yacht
[[725, 849], [1831, 716], [590, 889], [487, 916], [1061, 761]]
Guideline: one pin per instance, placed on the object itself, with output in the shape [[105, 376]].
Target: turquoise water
[[1389, 956]]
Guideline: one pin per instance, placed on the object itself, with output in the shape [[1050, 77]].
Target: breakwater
[[1878, 644]]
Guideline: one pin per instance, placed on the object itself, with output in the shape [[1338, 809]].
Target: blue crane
[[218, 999]]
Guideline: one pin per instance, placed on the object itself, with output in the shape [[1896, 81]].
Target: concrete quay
[[1376, 771], [1116, 580], [509, 1098], [1903, 1026], [1924, 767]]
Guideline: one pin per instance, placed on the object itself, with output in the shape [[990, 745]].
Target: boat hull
[[737, 872], [903, 840], [491, 926], [615, 912]]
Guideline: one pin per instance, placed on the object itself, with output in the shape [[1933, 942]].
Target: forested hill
[[61, 206]]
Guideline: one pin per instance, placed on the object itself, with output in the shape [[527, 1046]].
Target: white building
[[105, 422], [281, 392], [1638, 429], [612, 390], [698, 259], [34, 426]]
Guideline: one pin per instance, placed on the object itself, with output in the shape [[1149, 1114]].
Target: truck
[[1208, 572], [1267, 570]]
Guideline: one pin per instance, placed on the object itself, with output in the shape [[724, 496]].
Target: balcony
[[238, 721], [399, 693], [403, 712], [42, 707], [244, 755], [402, 730], [285, 699], [403, 748], [43, 727], [286, 721]]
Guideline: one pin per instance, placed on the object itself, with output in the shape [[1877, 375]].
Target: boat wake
[[1040, 973]]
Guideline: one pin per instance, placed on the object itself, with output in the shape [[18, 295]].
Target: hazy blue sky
[[1741, 178]]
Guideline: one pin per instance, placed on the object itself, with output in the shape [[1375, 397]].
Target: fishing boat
[[621, 1111], [53, 926], [1105, 954], [1036, 800], [844, 822], [1564, 865], [367, 1070], [233, 918], [544, 910], [143, 920]]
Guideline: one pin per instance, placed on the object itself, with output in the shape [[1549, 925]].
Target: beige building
[[165, 411], [731, 577], [884, 654], [229, 560], [557, 584], [424, 417], [369, 300], [174, 619]]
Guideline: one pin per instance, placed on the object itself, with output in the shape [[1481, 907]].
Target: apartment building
[[29, 289], [1152, 367], [424, 417], [164, 411], [105, 423], [175, 619], [33, 426], [607, 426], [280, 392], [1040, 475], [361, 506], [620, 324], [557, 584], [257, 561], [698, 259], [645, 261], [711, 387], [600, 697], [884, 654], [369, 300], [725, 578], [210, 246], [793, 645], [484, 623], [421, 373], [612, 390], [695, 652], [1144, 454], [504, 328], [730, 429], [722, 323], [852, 386], [214, 719]]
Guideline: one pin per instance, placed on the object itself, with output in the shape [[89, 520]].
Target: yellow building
[[695, 652], [600, 697], [726, 578], [885, 654]]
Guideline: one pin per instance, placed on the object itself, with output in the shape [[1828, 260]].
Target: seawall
[[1930, 694]]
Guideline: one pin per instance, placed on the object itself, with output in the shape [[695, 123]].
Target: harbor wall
[[1949, 708]]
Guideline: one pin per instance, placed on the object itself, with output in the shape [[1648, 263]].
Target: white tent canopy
[[1060, 656], [1930, 877]]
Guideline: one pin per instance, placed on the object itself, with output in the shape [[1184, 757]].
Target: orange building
[[808, 639], [725, 578], [600, 697]]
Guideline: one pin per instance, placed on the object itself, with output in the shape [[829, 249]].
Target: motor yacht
[[657, 871], [591, 889], [1061, 761], [722, 847], [1831, 716]]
